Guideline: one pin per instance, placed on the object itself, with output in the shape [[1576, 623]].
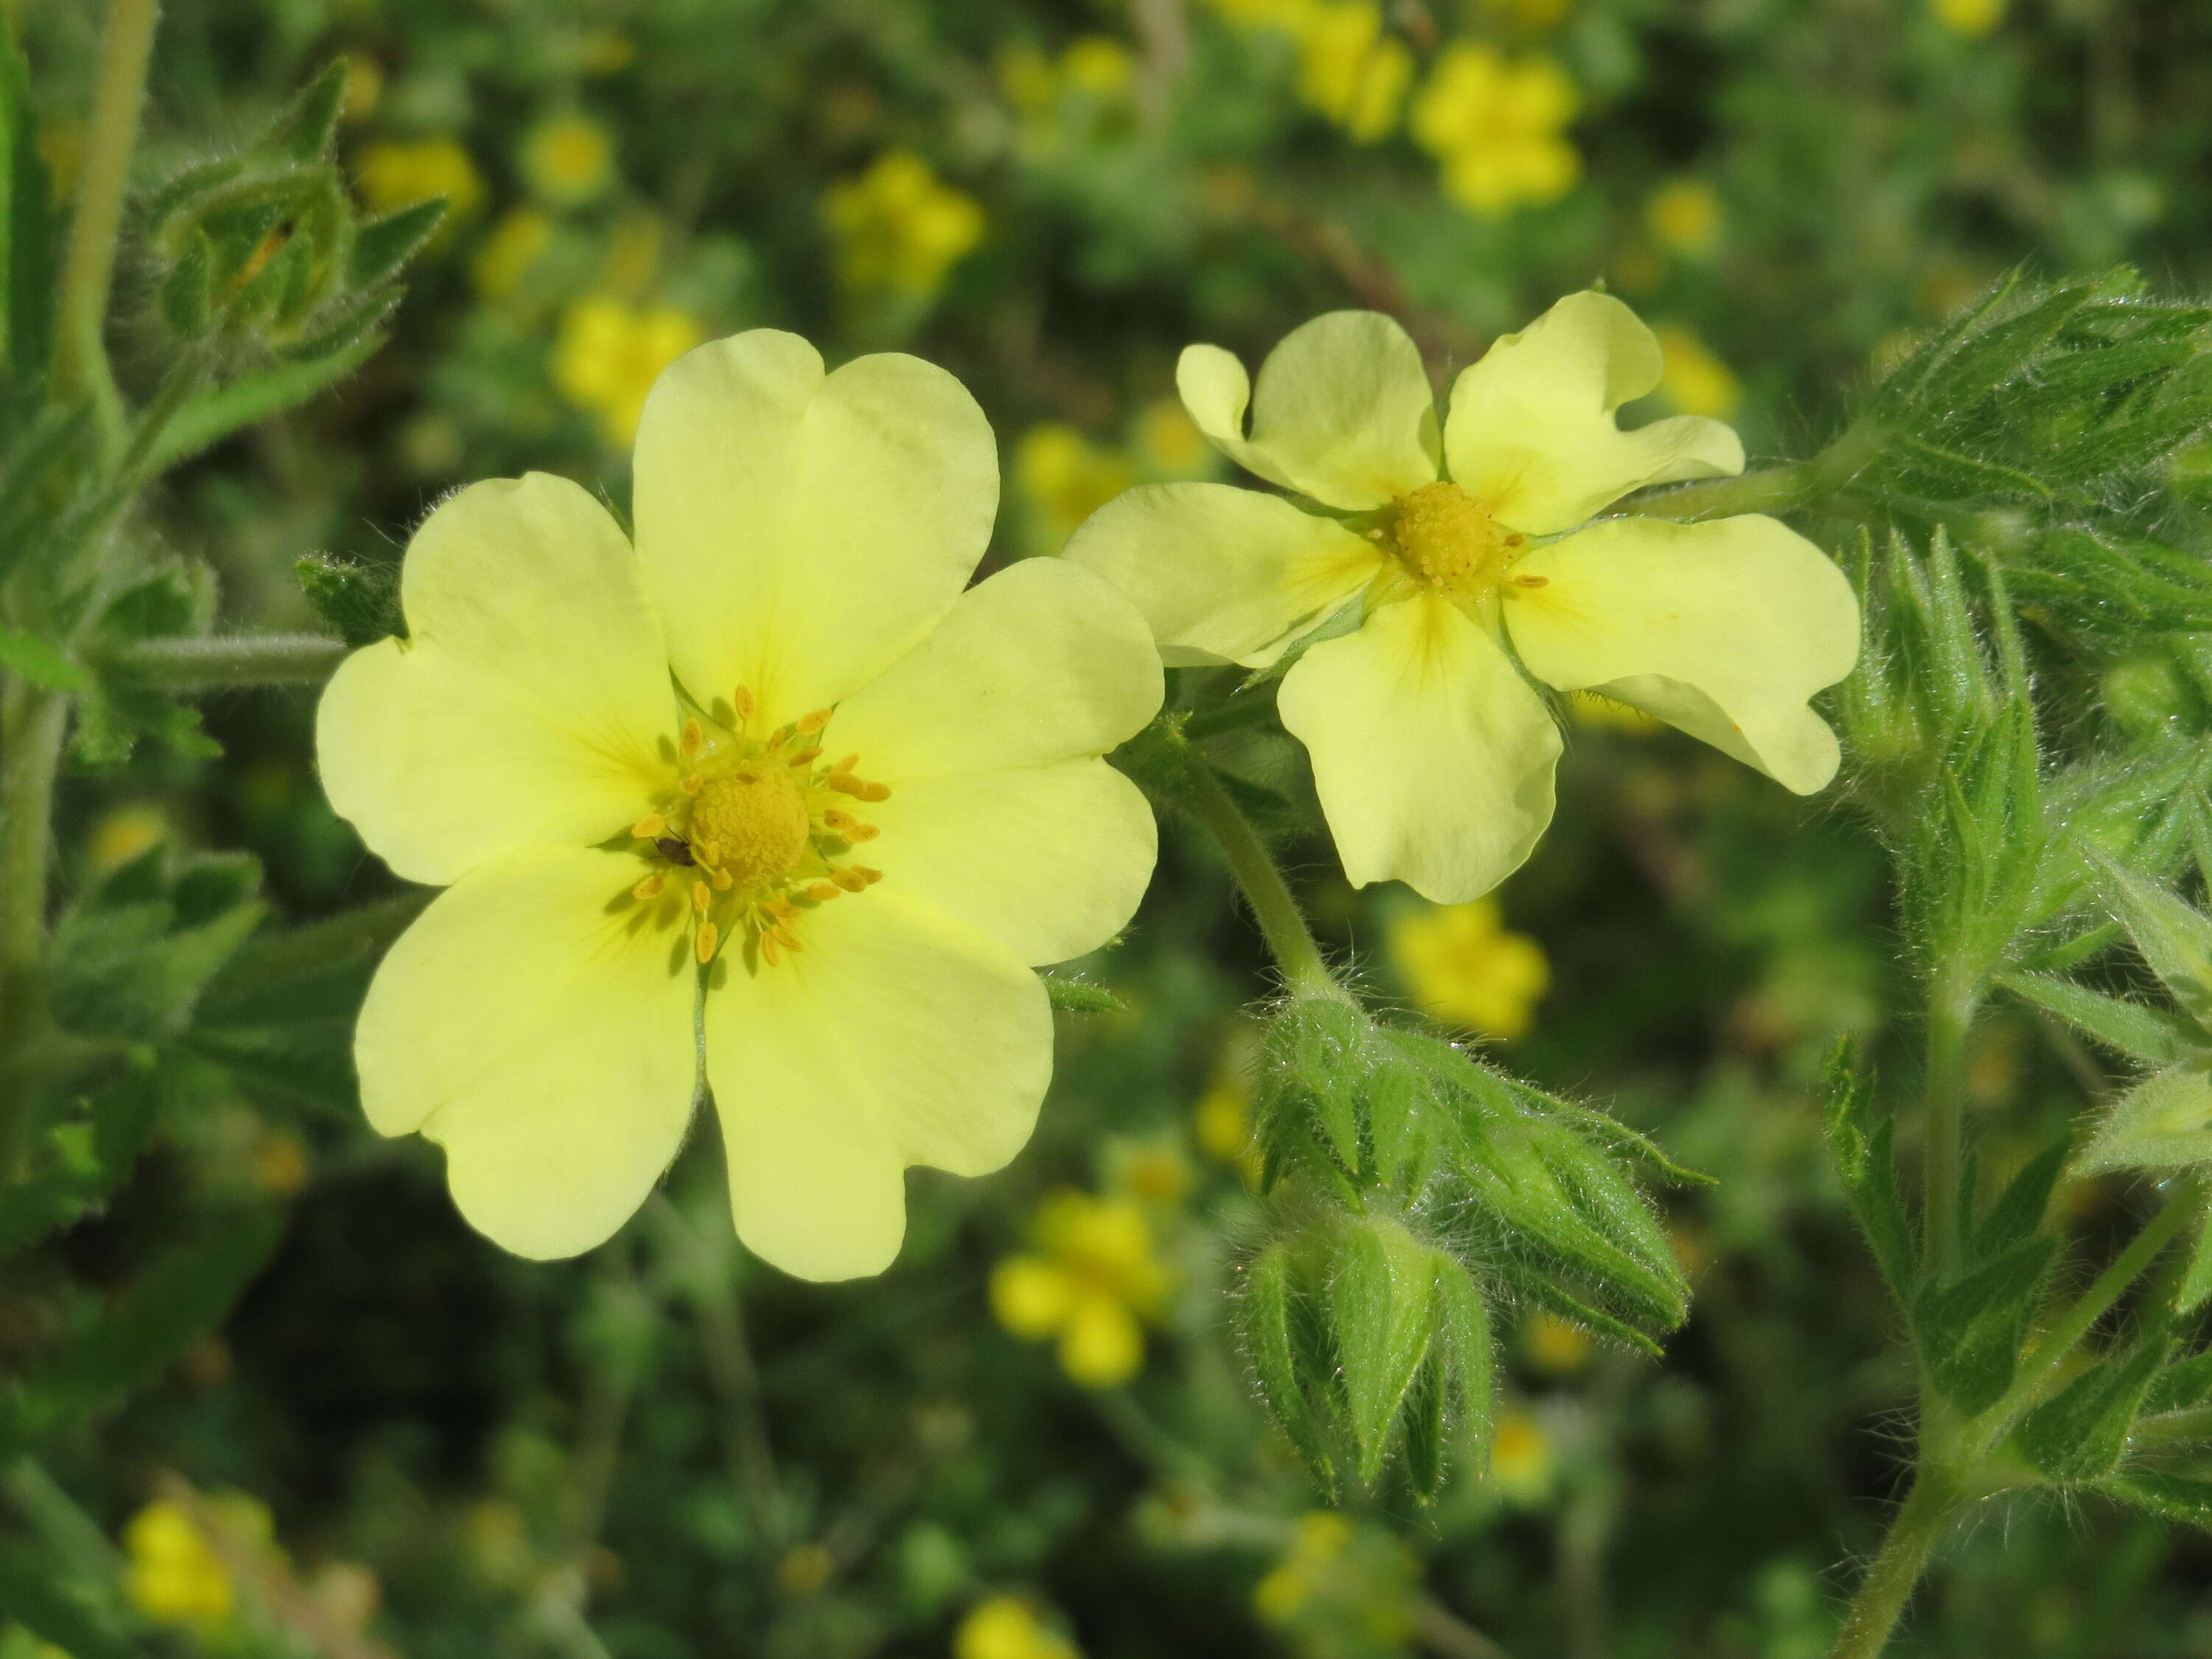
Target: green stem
[[1242, 710], [2040, 1369], [33, 723], [1950, 1016], [1776, 489], [1281, 922], [126, 45], [198, 665], [1927, 1514]]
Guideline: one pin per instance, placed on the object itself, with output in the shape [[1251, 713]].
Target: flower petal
[[799, 532], [1432, 756], [1531, 431], [1723, 627], [1049, 860], [1344, 412], [897, 1035], [539, 1029], [1222, 574], [527, 703], [1041, 662]]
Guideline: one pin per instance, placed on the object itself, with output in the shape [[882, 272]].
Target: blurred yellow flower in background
[[1062, 478], [1521, 1464], [1345, 1588], [608, 355], [1684, 216], [516, 243], [364, 87], [122, 835], [172, 1576], [1349, 71], [1692, 378], [1094, 1276], [1170, 444], [1318, 1540], [1465, 968], [1971, 18], [396, 174], [1531, 14], [1498, 127], [1099, 65], [1004, 1627], [1554, 1344], [898, 229], [568, 158]]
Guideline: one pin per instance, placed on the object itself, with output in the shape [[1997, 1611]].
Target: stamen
[[784, 936], [1532, 582], [708, 938], [767, 949], [722, 882], [709, 852], [650, 827], [859, 788], [810, 724], [847, 764], [742, 701], [692, 739], [649, 889], [857, 832], [701, 897], [804, 757], [692, 783], [868, 877], [849, 878], [822, 892]]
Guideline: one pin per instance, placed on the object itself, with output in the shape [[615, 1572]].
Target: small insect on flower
[[771, 768], [1434, 546]]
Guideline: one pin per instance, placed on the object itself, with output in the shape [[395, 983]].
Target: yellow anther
[[722, 883], [692, 739], [742, 701], [705, 941], [1449, 540], [822, 892], [805, 756], [784, 936], [850, 880], [861, 833], [707, 852], [767, 949], [701, 897], [847, 764], [692, 783], [781, 908], [1532, 582], [868, 877], [647, 889], [756, 822], [810, 724], [859, 788], [650, 827]]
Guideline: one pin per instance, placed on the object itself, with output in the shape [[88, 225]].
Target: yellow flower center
[[1448, 541], [756, 835], [752, 823]]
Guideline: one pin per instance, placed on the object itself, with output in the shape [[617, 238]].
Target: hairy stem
[[1950, 1016], [33, 723], [1776, 489], [1919, 1526], [1281, 922], [126, 43], [200, 665]]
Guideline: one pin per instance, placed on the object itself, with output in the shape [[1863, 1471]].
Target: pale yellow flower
[[1093, 1278], [1343, 1588], [610, 355], [1497, 125], [1169, 441], [399, 173], [1319, 1539], [1004, 1627], [777, 769], [1465, 968], [1350, 71], [568, 158], [1522, 1464], [1444, 543], [1693, 379], [1971, 18], [122, 835], [1684, 216], [898, 229], [516, 243], [1098, 65]]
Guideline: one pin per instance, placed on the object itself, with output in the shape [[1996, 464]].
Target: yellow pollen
[[650, 827], [757, 824], [709, 936], [1449, 542]]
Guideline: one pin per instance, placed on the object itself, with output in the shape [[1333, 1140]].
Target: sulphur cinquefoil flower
[[1428, 548], [1498, 126], [772, 770]]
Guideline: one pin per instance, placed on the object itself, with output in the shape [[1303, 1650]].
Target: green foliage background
[[667, 1449]]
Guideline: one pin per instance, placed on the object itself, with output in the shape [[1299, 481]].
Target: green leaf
[[56, 1601], [2170, 1496], [1861, 1144], [2185, 1383], [213, 416], [1970, 1330], [382, 246], [40, 663], [2194, 1288], [2175, 940], [2164, 1123], [1463, 1341], [1382, 1314], [187, 293], [1313, 1072], [361, 601], [2018, 1214], [302, 132], [2081, 1432], [1264, 1316], [2153, 1036], [133, 967], [30, 233], [1074, 996], [84, 1141], [175, 1303]]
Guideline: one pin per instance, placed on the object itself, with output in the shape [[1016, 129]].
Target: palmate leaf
[[2081, 1432], [1861, 1143], [2164, 1123], [2184, 1498], [2175, 940]]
